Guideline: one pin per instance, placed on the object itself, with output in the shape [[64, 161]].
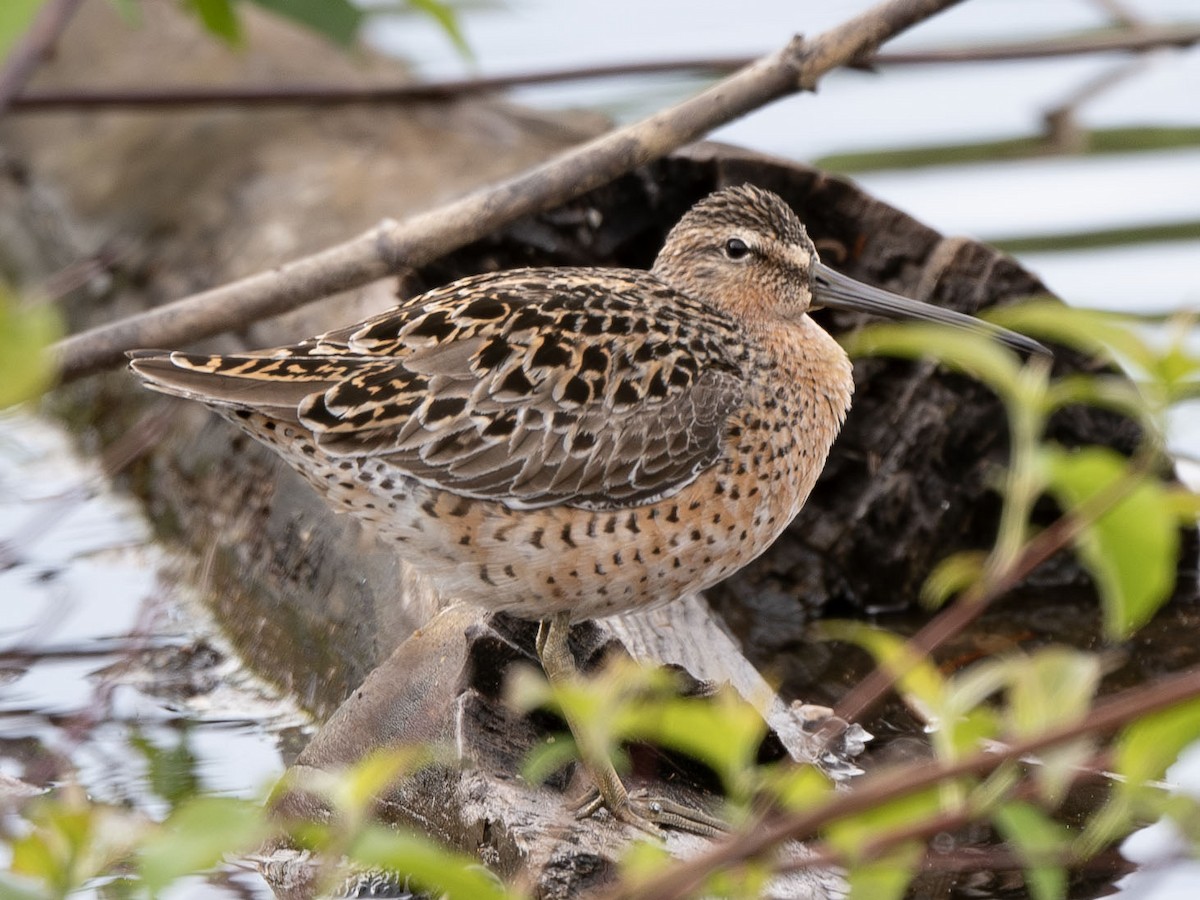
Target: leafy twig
[[967, 608], [887, 785]]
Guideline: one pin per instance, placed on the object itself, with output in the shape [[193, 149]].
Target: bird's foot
[[651, 814]]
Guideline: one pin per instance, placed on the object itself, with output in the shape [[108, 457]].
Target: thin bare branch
[[37, 43], [160, 99], [390, 245], [822, 855], [1125, 40]]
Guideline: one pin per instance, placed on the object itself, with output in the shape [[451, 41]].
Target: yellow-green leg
[[639, 810]]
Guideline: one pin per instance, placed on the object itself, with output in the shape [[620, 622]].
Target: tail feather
[[228, 381]]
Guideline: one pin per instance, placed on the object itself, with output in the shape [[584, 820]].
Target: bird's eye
[[735, 248]]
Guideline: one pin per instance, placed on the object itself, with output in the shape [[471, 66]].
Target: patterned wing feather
[[530, 388]]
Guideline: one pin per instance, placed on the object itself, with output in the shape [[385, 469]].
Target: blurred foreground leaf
[[917, 678], [171, 771], [1141, 755], [1040, 841], [197, 836], [1090, 331], [26, 366], [953, 575], [455, 875], [1049, 689], [798, 787], [15, 18], [219, 18], [336, 20], [629, 702], [70, 840], [1147, 748], [886, 878], [444, 14], [1137, 139], [1130, 550], [968, 352]]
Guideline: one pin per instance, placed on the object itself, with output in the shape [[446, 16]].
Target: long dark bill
[[838, 291]]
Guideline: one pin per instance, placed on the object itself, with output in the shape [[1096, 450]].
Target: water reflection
[[99, 652]]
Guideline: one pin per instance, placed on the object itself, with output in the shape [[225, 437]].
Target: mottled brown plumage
[[575, 442]]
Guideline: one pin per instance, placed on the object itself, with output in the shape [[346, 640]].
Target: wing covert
[[544, 389]]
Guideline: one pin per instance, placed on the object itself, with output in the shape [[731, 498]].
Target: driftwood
[[440, 690]]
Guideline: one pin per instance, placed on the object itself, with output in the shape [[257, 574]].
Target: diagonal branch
[[418, 240]]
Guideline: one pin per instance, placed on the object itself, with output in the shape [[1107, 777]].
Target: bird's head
[[744, 250]]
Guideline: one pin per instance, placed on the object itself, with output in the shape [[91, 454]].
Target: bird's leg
[[638, 809], [559, 665]]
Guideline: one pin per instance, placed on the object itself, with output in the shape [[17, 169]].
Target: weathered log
[[443, 687]]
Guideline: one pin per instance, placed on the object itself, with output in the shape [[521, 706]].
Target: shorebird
[[570, 443]]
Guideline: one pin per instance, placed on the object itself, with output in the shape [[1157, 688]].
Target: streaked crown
[[743, 250]]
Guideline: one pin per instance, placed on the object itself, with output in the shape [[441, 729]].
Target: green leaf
[[1114, 392], [1087, 330], [918, 679], [972, 354], [56, 850], [1040, 841], [431, 866], [197, 835], [1130, 550], [798, 787], [1051, 688], [72, 840], [354, 791], [14, 889], [750, 879], [171, 772], [1141, 755], [1185, 504], [220, 18], [631, 702], [34, 856], [722, 731], [886, 878], [951, 576], [548, 757], [26, 364], [642, 860], [337, 20], [856, 836], [447, 18], [1147, 748], [15, 18]]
